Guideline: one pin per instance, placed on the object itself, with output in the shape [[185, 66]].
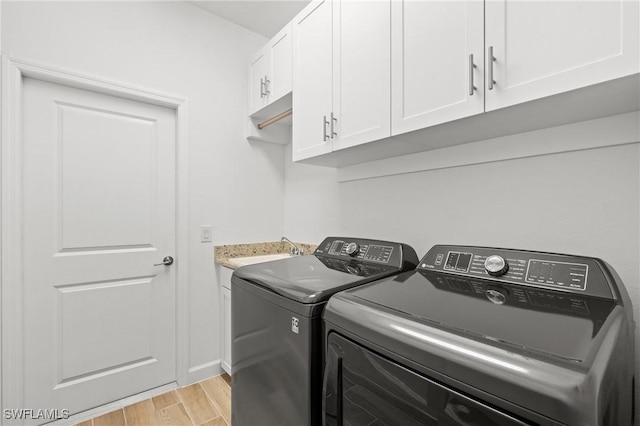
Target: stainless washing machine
[[483, 336]]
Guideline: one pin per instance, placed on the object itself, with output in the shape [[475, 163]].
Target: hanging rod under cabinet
[[275, 119]]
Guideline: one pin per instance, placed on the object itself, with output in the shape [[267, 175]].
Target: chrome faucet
[[295, 251]]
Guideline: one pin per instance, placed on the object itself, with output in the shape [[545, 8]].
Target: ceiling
[[264, 17]]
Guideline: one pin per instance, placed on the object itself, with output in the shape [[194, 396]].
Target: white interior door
[[99, 211]]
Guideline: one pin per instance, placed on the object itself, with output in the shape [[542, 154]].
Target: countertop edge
[[224, 254]]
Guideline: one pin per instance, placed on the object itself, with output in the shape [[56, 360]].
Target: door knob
[[168, 260]]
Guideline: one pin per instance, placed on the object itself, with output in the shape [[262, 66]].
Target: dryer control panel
[[583, 275], [365, 250]]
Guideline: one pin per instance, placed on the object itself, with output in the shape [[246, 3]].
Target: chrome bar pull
[[325, 136], [168, 260], [472, 88], [492, 59], [266, 86], [333, 120], [262, 95]]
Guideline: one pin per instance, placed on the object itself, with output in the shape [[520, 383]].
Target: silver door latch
[[168, 260]]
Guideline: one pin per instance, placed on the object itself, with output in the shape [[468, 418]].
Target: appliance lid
[[524, 319], [312, 279], [337, 264]]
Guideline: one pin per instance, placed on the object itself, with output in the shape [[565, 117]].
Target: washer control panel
[[381, 252], [583, 275], [372, 252]]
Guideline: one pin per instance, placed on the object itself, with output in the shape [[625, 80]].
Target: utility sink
[[250, 260]]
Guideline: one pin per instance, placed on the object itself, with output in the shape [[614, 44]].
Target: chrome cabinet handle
[[333, 120], [492, 59], [262, 85], [266, 86], [472, 88], [168, 260], [325, 136]]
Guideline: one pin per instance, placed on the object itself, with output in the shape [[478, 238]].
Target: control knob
[[352, 249], [496, 265]]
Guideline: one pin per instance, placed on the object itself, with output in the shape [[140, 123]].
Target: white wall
[[584, 202], [312, 203], [176, 48]]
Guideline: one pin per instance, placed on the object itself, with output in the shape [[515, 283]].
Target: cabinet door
[[257, 73], [226, 329], [361, 71], [431, 47], [279, 75], [312, 80], [546, 47]]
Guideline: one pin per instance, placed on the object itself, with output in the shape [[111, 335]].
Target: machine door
[[363, 388]]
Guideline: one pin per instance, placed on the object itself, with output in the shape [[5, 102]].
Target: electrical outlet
[[206, 234]]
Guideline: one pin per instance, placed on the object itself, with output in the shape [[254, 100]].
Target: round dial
[[496, 265], [352, 249]]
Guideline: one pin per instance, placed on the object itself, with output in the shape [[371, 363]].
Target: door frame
[[11, 220]]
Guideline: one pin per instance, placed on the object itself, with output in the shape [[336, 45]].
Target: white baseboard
[[107, 408], [196, 374], [203, 371]]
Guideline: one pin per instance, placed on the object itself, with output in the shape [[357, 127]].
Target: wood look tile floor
[[207, 403]]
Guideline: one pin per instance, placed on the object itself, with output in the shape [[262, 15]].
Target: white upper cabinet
[[437, 59], [270, 71], [543, 48], [312, 81], [280, 64], [342, 80], [374, 79], [257, 74], [361, 72]]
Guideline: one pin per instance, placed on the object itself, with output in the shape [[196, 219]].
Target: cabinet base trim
[[621, 129], [611, 98]]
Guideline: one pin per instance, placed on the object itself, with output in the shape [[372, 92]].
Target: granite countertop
[[224, 255]]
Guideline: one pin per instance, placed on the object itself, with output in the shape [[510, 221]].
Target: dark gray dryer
[[277, 349], [483, 336]]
